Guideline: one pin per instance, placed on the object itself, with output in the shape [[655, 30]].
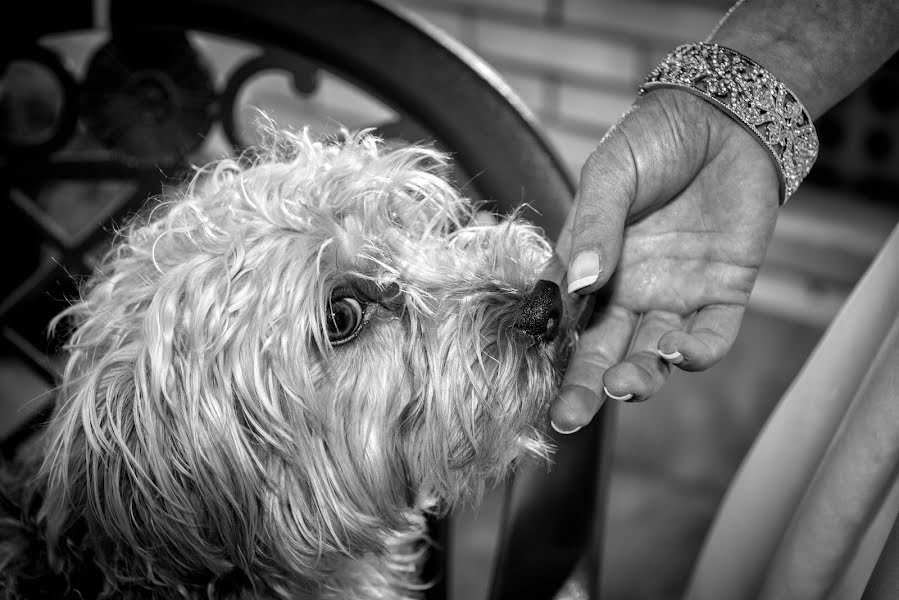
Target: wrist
[[820, 49], [784, 56], [752, 96]]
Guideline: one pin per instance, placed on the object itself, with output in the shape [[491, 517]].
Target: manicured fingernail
[[675, 357], [614, 397], [562, 431], [583, 271]]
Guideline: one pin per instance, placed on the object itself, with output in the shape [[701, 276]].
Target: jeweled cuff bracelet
[[751, 95]]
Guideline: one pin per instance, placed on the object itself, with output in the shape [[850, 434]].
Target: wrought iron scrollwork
[[134, 116], [151, 106], [38, 104], [305, 78]]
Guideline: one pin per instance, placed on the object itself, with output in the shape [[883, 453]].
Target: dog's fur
[[210, 441]]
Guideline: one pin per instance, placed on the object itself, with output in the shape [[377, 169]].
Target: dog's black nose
[[542, 309]]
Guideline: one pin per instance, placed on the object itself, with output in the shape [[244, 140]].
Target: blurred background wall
[[575, 63]]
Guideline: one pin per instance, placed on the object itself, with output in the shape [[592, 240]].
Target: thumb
[[596, 228]]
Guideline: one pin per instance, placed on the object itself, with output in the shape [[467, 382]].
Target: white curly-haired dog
[[274, 378]]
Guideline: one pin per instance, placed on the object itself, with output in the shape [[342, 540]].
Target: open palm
[[699, 197]]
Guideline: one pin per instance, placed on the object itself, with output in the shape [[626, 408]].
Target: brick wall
[[576, 63]]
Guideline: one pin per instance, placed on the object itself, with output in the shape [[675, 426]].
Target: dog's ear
[[232, 458]]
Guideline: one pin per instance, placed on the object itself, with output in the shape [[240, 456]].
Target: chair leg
[[552, 517], [606, 452], [435, 569]]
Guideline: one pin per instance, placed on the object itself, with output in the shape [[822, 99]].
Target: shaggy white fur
[[275, 376]]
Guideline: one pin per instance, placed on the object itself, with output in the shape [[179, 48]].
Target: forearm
[[821, 49]]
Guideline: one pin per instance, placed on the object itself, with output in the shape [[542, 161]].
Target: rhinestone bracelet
[[750, 94]]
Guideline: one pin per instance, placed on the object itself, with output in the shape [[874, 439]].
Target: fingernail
[[562, 431], [614, 397], [583, 271], [675, 357]]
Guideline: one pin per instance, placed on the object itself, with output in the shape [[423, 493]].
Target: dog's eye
[[344, 319]]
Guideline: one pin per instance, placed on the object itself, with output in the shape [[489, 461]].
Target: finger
[[603, 343], [644, 371], [605, 194], [709, 339]]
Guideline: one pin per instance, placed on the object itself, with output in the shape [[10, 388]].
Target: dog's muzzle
[[541, 311]]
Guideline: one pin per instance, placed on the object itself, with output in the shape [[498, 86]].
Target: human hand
[[680, 202]]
